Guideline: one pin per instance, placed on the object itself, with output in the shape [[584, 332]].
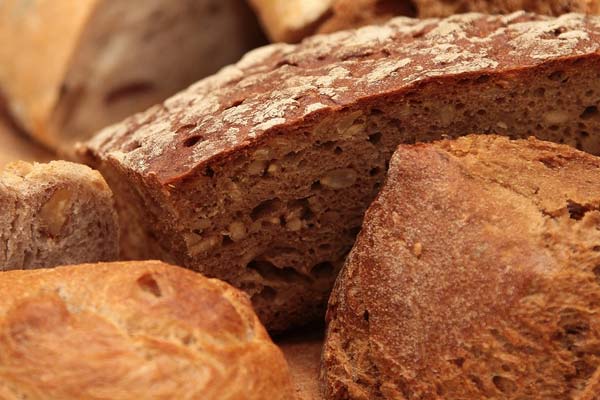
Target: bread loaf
[[260, 174], [69, 68], [302, 351], [292, 20], [475, 276], [125, 331], [16, 146], [55, 214]]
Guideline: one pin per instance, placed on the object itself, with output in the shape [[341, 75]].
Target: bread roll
[[475, 276], [302, 350], [69, 68], [292, 20], [55, 214], [142, 330], [260, 175]]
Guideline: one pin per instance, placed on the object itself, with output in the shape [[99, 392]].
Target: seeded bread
[[475, 276], [292, 20], [69, 68], [55, 214], [260, 174], [142, 330]]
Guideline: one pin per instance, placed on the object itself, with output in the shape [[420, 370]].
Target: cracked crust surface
[[475, 275], [131, 331]]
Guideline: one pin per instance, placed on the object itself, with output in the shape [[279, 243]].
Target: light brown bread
[[142, 330], [55, 214], [302, 350], [16, 146], [475, 276], [260, 174], [293, 20], [69, 68]]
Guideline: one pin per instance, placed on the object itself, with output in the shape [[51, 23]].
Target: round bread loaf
[[138, 330], [476, 275]]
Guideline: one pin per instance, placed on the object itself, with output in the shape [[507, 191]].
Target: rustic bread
[[14, 146], [260, 175], [55, 214], [475, 276], [141, 330], [69, 68], [292, 20]]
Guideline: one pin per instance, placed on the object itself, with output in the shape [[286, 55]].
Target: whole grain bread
[[69, 68], [292, 20], [55, 214], [260, 175], [141, 330], [475, 276]]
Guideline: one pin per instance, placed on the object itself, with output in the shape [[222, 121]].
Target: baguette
[[69, 68]]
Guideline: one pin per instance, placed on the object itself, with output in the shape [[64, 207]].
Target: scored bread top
[[280, 86], [132, 330]]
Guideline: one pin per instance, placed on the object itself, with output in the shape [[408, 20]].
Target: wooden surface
[[303, 353]]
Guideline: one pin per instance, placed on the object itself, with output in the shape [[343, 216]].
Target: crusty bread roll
[[142, 330], [476, 275], [55, 214], [292, 20], [69, 68], [302, 350], [260, 175]]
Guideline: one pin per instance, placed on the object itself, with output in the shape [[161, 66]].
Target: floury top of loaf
[[260, 175]]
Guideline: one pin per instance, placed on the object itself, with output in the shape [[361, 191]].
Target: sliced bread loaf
[[55, 214], [475, 276], [260, 174], [123, 331]]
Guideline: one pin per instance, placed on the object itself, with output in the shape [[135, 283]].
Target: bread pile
[[441, 175]]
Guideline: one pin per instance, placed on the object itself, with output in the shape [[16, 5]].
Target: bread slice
[[55, 214], [260, 175], [69, 68], [293, 20], [475, 276], [140, 330]]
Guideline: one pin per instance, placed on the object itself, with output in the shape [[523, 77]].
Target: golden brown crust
[[475, 275], [132, 330]]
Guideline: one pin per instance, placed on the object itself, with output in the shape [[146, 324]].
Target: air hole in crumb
[[338, 150], [458, 362], [148, 284], [227, 240], [322, 270], [270, 272], [483, 79], [316, 186], [192, 141], [374, 171], [188, 340], [596, 248], [589, 112], [376, 111], [540, 92], [265, 208], [576, 211], [209, 172], [505, 385], [267, 294], [558, 76], [477, 383], [375, 138], [366, 315]]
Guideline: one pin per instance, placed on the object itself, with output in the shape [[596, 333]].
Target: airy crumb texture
[[142, 330], [260, 175], [55, 214], [476, 275]]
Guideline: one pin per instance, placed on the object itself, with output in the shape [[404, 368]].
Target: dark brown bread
[[138, 330], [475, 276], [260, 174]]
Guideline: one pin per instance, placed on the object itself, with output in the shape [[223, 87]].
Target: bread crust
[[132, 330], [475, 275], [54, 214]]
